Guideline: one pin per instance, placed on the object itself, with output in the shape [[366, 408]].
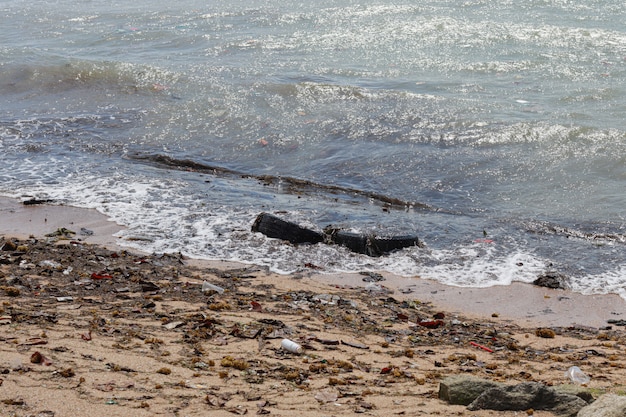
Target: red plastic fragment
[[481, 347], [431, 324], [100, 276]]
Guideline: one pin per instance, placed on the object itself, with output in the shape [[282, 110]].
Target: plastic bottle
[[577, 376], [291, 346]]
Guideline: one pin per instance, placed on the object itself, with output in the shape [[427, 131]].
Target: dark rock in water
[[274, 227], [36, 201], [528, 395], [551, 280]]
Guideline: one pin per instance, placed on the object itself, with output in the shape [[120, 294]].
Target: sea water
[[494, 131]]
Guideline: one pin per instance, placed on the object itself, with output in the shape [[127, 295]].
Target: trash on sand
[[207, 287], [486, 349], [431, 324], [355, 345], [326, 396], [291, 346], [577, 376], [173, 325]]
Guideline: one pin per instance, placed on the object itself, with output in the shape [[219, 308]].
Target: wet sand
[[89, 328], [521, 303]]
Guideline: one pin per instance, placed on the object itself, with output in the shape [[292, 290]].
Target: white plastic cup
[[207, 286], [577, 376], [291, 346]]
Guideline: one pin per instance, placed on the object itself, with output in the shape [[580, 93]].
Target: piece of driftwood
[[274, 227]]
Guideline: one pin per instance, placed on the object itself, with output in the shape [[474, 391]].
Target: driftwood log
[[274, 227]]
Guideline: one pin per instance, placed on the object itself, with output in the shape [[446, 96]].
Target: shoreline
[[521, 303], [88, 325]]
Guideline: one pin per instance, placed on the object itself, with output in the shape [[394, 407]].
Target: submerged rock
[[552, 280]]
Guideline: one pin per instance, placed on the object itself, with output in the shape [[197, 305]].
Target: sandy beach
[[90, 328]]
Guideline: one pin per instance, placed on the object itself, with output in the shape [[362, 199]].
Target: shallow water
[[497, 132]]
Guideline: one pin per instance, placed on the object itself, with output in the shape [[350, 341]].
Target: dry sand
[[139, 337]]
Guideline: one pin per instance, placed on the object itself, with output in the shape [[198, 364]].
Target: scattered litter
[[34, 341], [101, 276], [208, 287], [486, 349], [433, 324], [354, 344], [291, 346], [330, 299], [50, 264], [377, 289], [173, 325], [327, 396], [577, 376], [325, 341]]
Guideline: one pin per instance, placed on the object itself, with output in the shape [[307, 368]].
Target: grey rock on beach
[[608, 405], [481, 394]]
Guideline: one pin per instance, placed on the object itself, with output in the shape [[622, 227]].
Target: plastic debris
[[431, 324], [207, 287], [577, 376], [354, 345], [326, 396], [291, 346], [486, 349]]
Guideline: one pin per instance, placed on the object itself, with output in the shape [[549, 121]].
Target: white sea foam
[[498, 116]]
